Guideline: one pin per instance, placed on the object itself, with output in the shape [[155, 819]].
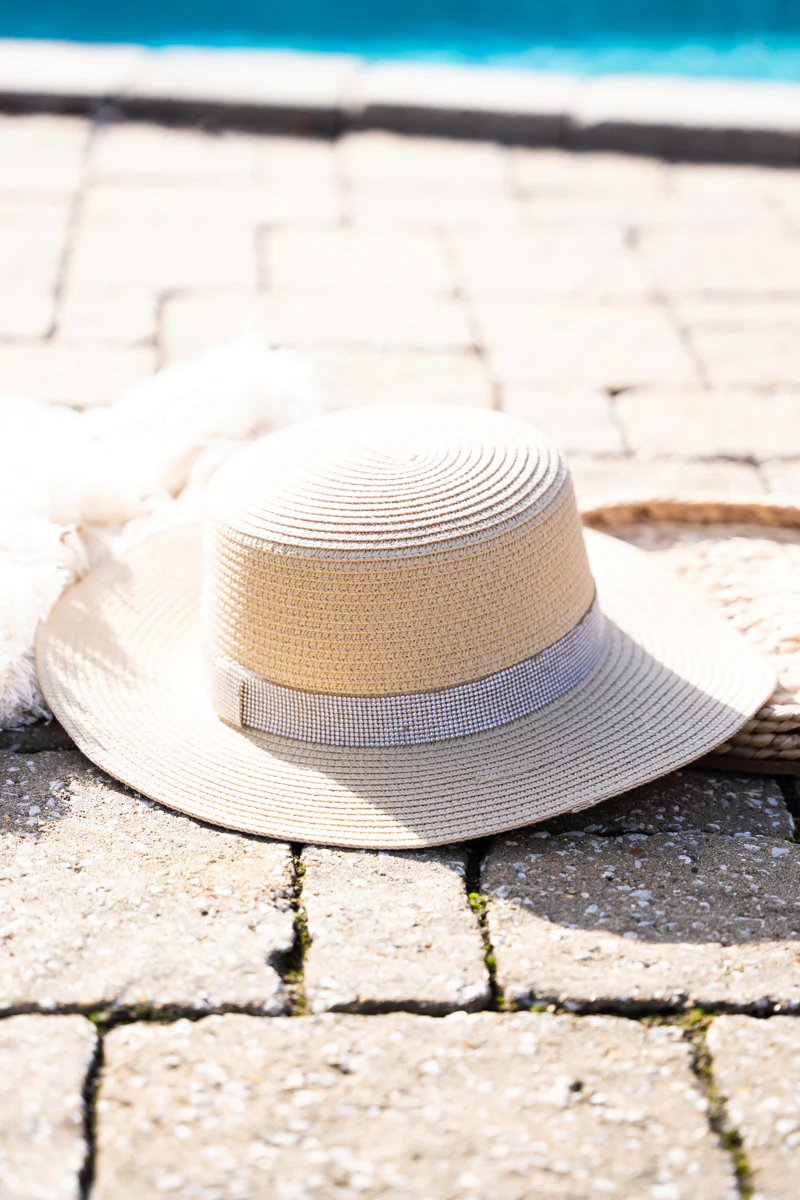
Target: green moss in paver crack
[[696, 1024], [292, 964], [477, 852]]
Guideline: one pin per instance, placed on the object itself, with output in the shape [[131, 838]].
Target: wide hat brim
[[120, 662]]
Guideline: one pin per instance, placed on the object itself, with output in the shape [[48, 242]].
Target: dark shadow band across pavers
[[645, 922], [327, 95], [690, 800]]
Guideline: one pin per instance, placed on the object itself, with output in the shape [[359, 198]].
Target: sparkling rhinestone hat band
[[248, 701]]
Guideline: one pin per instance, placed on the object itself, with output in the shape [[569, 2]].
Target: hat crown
[[391, 551], [400, 479]]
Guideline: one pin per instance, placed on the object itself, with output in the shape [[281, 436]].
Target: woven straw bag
[[744, 555]]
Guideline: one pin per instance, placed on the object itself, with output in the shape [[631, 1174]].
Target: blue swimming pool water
[[738, 38]]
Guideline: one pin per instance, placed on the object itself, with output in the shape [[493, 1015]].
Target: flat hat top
[[403, 479]]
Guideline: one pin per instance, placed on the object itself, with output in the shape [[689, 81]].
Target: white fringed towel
[[73, 484]]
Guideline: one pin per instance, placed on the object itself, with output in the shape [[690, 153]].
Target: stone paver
[[728, 181], [42, 154], [351, 378], [749, 357], [557, 172], [80, 374], [580, 421], [134, 151], [526, 264], [757, 1070], [389, 161], [709, 802], [440, 208], [391, 930], [729, 261], [607, 481], [711, 425], [280, 203], [295, 163], [165, 238], [25, 312], [33, 240], [295, 182], [342, 260], [468, 1106], [601, 345], [686, 918], [43, 1066], [636, 213], [107, 313], [194, 321], [743, 342], [111, 900], [782, 476], [700, 213]]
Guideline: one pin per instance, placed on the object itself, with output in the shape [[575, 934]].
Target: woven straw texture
[[745, 557], [121, 658], [430, 535]]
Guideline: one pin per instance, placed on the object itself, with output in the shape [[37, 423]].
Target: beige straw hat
[[743, 554], [392, 632]]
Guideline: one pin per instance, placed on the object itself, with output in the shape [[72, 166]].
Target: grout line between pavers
[[89, 1099], [659, 1012], [695, 1029], [71, 234], [460, 293]]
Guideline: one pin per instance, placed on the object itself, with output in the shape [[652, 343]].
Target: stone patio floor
[[608, 1004]]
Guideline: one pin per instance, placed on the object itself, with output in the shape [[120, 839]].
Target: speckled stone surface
[[712, 801], [687, 918], [757, 1070], [477, 1106], [106, 899], [43, 1067], [391, 930]]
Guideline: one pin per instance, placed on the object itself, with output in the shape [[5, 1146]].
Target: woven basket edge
[[772, 511]]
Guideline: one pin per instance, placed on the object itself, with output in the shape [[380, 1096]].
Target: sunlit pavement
[[647, 316]]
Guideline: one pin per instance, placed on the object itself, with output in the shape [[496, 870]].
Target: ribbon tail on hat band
[[245, 699]]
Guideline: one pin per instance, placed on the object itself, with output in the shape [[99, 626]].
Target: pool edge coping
[[326, 95]]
